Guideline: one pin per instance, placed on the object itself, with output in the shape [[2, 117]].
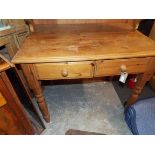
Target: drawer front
[[66, 70], [114, 67]]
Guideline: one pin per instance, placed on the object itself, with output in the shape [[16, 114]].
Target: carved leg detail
[[42, 106], [35, 85], [141, 81]]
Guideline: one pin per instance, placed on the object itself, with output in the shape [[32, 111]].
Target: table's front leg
[[36, 88], [141, 81]]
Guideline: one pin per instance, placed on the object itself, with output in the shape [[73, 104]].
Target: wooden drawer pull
[[123, 68], [64, 73]]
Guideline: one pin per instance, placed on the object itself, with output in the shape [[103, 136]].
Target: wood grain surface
[[79, 21], [59, 51], [113, 67], [70, 70], [59, 43]]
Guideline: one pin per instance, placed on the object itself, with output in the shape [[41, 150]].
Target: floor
[[90, 106], [124, 92]]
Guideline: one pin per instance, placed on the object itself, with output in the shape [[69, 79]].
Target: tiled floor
[[92, 106]]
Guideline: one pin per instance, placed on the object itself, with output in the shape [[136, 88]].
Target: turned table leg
[[36, 88], [141, 81]]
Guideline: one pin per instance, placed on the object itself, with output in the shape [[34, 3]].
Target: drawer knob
[[123, 68], [64, 73]]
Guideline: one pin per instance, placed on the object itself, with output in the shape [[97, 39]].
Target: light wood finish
[[36, 22], [66, 70], [141, 81], [109, 46], [115, 67], [82, 43], [31, 77], [78, 21], [89, 69]]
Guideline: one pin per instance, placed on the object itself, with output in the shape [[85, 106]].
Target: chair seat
[[140, 117]]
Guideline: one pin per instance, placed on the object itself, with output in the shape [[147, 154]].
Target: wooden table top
[[83, 42]]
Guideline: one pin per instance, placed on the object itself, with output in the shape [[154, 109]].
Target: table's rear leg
[[36, 88]]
